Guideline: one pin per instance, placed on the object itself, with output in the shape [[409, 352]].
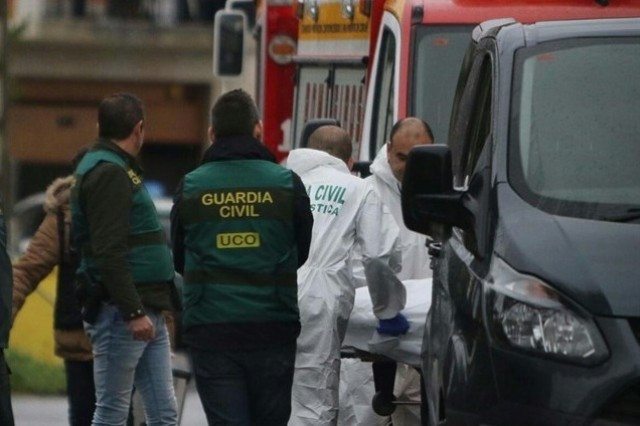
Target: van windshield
[[439, 50], [575, 134]]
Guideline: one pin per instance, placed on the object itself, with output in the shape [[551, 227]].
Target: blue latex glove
[[393, 326]]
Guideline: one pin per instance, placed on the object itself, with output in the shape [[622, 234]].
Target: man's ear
[[350, 163], [138, 129], [211, 134], [257, 130]]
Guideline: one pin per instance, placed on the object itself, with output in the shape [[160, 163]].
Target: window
[[330, 91], [573, 147], [471, 117], [383, 108], [480, 124], [438, 53]]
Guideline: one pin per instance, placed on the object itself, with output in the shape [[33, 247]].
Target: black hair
[[234, 114], [400, 123], [118, 114]]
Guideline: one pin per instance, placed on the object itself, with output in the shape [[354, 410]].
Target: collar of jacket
[[303, 160], [237, 148], [381, 169], [109, 145]]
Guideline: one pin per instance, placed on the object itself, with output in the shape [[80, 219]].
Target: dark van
[[534, 205]]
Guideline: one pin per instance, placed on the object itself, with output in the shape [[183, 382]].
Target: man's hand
[[142, 328], [393, 326]]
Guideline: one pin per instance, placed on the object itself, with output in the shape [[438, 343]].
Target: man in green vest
[[124, 252], [241, 226]]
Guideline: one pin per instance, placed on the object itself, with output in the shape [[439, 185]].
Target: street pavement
[[35, 410], [31, 410]]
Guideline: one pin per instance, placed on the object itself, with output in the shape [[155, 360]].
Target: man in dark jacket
[[241, 227], [6, 285], [123, 250]]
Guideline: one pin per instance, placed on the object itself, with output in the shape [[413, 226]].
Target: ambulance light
[[314, 10], [347, 9], [365, 7]]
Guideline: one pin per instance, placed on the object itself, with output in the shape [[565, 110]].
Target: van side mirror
[[228, 43], [430, 205]]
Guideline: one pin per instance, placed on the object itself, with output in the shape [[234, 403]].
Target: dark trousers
[[6, 411], [81, 392], [245, 388]]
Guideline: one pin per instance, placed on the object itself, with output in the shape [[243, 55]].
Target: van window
[[438, 53], [384, 93], [470, 123], [480, 120], [574, 145]]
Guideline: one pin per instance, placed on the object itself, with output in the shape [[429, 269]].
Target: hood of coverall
[[415, 257], [303, 160], [380, 168]]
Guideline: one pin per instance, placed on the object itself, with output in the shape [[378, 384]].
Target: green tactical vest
[[149, 256], [240, 251]]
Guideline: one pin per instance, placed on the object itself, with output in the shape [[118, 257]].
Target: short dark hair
[[234, 114], [400, 123], [118, 114], [333, 140]]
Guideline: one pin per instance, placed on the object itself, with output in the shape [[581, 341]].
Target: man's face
[[403, 141]]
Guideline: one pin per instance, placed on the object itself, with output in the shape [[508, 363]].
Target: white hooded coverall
[[346, 213], [415, 265], [415, 256]]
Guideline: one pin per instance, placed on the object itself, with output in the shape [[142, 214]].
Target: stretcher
[[361, 337], [384, 352]]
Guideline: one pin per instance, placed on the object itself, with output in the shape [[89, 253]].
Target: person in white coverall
[[387, 171], [346, 213]]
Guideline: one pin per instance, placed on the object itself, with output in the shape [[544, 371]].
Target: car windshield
[[575, 135], [439, 52]]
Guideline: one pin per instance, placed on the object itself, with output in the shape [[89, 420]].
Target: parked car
[[535, 202], [28, 213]]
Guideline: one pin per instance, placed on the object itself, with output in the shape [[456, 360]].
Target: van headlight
[[526, 313]]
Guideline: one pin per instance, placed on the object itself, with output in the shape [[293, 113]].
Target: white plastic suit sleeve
[[377, 237]]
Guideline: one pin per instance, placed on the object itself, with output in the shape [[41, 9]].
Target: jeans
[[120, 362], [245, 388], [80, 392]]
